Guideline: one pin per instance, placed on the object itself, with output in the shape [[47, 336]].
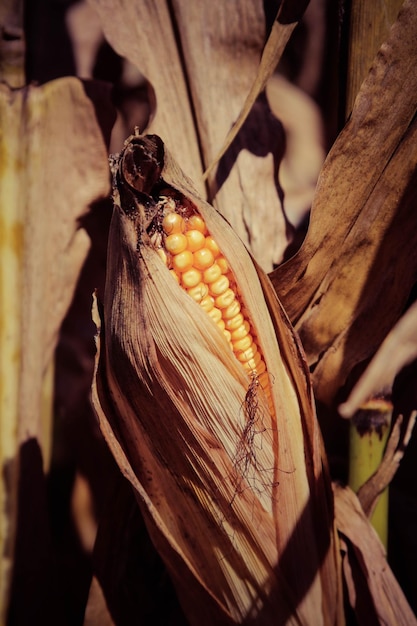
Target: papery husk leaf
[[373, 590], [242, 543], [355, 263]]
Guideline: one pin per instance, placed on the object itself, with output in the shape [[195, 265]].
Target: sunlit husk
[[239, 536]]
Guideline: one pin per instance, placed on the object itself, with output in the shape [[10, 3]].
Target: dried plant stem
[[11, 273], [368, 435]]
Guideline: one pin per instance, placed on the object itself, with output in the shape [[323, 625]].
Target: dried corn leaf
[[222, 45], [243, 537], [356, 265], [282, 28], [143, 33], [53, 165], [304, 146], [398, 349], [228, 64], [369, 26], [373, 590]]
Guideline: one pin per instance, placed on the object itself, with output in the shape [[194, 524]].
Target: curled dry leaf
[[370, 491], [355, 264], [231, 482], [304, 149], [380, 599], [397, 350]]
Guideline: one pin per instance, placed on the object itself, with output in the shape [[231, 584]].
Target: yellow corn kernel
[[241, 332], [221, 324], [241, 345], [234, 322], [197, 222], [254, 363], [211, 244], [191, 278], [225, 299], [198, 292], [215, 314], [183, 261], [264, 380], [223, 264], [207, 303], [212, 273], [219, 286], [176, 243], [226, 334], [203, 259], [258, 369], [173, 223], [247, 354], [232, 310], [196, 240]]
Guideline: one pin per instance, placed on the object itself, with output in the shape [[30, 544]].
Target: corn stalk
[[42, 250]]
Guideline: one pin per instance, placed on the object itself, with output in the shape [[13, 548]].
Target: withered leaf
[[53, 165], [355, 264], [373, 591]]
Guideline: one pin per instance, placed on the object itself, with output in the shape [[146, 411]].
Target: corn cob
[[195, 261]]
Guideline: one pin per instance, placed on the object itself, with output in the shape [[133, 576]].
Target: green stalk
[[369, 431]]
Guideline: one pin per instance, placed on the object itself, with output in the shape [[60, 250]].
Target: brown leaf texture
[[218, 41], [380, 599], [355, 264], [398, 349], [53, 165], [282, 28], [240, 539], [143, 33]]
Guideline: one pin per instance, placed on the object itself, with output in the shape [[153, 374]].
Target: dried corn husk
[[247, 539]]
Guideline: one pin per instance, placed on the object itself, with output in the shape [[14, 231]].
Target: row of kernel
[[198, 266]]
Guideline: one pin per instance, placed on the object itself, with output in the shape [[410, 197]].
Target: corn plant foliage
[[398, 350], [356, 266], [171, 406], [381, 601], [53, 128], [222, 46], [350, 281], [358, 192]]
